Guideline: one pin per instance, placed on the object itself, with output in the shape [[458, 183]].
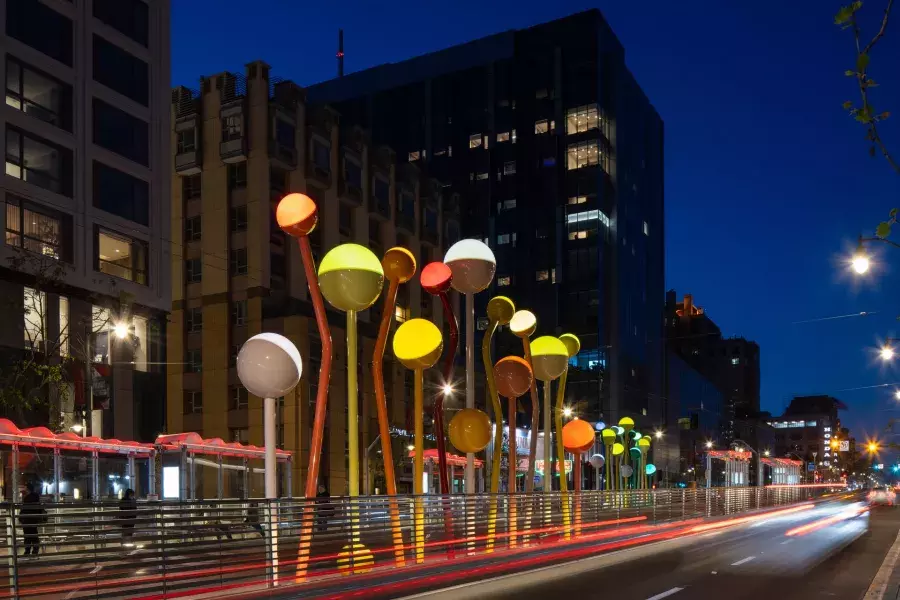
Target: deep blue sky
[[767, 181]]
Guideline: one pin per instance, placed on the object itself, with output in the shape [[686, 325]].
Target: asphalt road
[[756, 561]]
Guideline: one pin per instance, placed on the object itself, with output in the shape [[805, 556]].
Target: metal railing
[[160, 549]]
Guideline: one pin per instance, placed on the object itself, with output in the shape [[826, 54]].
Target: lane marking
[[666, 594], [742, 561], [882, 578]]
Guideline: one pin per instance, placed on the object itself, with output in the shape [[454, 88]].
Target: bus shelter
[[784, 471], [69, 466], [736, 466], [194, 468]]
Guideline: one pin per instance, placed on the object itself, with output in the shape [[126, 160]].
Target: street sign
[[845, 446], [811, 467]]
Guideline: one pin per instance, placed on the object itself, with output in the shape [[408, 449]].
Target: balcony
[[406, 221], [186, 109], [188, 162], [232, 95], [429, 236], [282, 155]]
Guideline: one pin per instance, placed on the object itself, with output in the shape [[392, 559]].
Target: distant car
[[882, 496]]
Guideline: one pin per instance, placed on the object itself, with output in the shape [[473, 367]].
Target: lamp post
[[473, 266]]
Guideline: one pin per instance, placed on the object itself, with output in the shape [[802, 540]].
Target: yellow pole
[[353, 423], [548, 456], [419, 468], [561, 453], [498, 431]]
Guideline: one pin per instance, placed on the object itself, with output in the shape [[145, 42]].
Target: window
[[240, 435], [121, 256], [429, 221], [193, 270], [352, 172], [121, 194], [646, 228], [239, 312], [321, 153], [406, 204], [239, 261], [550, 161], [345, 219], [39, 26], [513, 136], [38, 95], [542, 126], [238, 218], [193, 402], [401, 313], [285, 134], [582, 234], [582, 118], [193, 318], [735, 361], [36, 231], [504, 281], [553, 275], [503, 137], [192, 229], [193, 361], [190, 187], [543, 275], [541, 93], [506, 205], [120, 71], [583, 154], [237, 176], [381, 187], [63, 326], [35, 317], [481, 176], [509, 168], [232, 127], [128, 17], [186, 140], [578, 199], [121, 133], [506, 238], [414, 155], [587, 215], [38, 162], [238, 397], [475, 140]]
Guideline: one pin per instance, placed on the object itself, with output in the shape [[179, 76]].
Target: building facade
[[556, 157], [85, 263], [731, 363], [239, 144], [811, 430]]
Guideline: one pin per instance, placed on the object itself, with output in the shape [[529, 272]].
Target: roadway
[[773, 558]]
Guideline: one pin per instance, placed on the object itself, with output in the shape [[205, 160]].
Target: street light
[[709, 444], [860, 262], [447, 389], [886, 352], [658, 434], [121, 330], [766, 453], [872, 447], [567, 412]]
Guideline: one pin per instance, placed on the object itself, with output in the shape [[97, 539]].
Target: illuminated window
[[581, 235], [506, 205], [475, 140], [513, 136], [646, 228], [587, 215], [583, 154], [506, 238], [503, 137], [401, 313], [63, 326], [121, 256], [542, 275], [582, 118], [34, 304], [504, 281], [481, 176], [542, 126], [33, 231], [553, 275], [509, 168], [413, 156], [735, 361], [577, 199]]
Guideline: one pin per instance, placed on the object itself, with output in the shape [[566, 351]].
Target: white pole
[[271, 465], [470, 383]]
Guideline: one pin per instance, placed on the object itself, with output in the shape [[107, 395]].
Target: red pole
[[439, 401]]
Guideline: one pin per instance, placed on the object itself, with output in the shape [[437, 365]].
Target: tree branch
[[884, 23], [882, 240]]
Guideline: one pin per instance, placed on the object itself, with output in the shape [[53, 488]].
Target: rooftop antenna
[[340, 53]]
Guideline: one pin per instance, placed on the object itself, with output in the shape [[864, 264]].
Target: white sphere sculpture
[[597, 461], [472, 264], [269, 365]]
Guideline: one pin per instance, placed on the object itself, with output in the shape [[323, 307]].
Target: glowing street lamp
[[887, 353], [709, 444], [567, 412], [121, 330], [872, 447], [447, 389], [860, 262], [658, 434]]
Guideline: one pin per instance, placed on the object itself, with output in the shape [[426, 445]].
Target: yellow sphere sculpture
[[644, 442], [549, 357], [501, 309], [418, 344], [523, 323], [573, 344], [609, 436], [398, 264], [618, 449], [351, 277], [470, 430]]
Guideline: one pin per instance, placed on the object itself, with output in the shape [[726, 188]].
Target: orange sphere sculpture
[[470, 430], [297, 214], [513, 376], [577, 435]]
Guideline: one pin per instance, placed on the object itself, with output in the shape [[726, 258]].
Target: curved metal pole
[[315, 442], [561, 452], [439, 400], [511, 473], [418, 467], [383, 421], [470, 383], [497, 409], [535, 419]]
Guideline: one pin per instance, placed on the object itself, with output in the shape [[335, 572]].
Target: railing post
[[272, 542], [13, 551]]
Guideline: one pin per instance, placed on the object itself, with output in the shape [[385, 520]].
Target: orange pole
[[511, 473], [383, 422], [315, 444]]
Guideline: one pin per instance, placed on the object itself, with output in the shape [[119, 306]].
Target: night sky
[[768, 182]]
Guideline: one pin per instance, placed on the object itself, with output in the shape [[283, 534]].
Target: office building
[[732, 363], [810, 429], [239, 144], [556, 158], [85, 263]]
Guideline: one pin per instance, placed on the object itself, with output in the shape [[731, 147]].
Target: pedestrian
[[31, 516], [128, 515], [214, 519], [253, 518], [324, 508]]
